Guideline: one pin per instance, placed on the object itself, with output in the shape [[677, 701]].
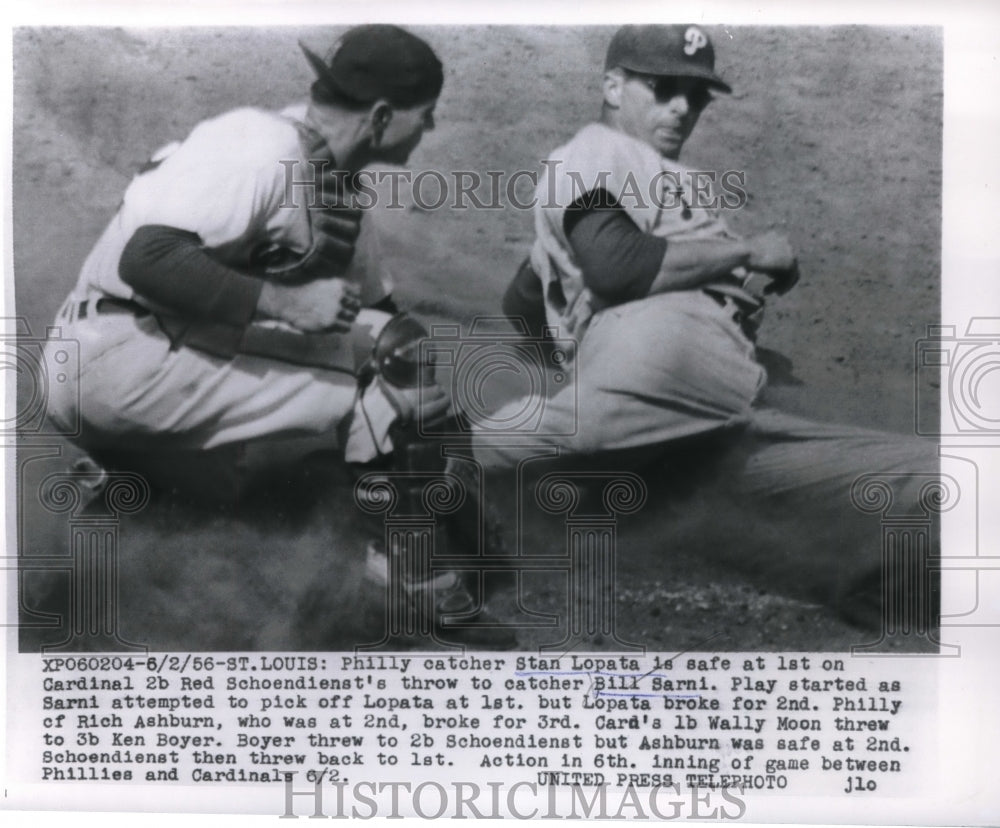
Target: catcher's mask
[[396, 355]]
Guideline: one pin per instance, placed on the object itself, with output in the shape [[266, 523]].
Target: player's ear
[[380, 115], [614, 85]]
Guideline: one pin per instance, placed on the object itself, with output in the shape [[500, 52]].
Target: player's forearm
[[689, 265], [170, 269]]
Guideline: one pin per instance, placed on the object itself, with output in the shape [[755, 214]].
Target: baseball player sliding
[[222, 307], [635, 263]]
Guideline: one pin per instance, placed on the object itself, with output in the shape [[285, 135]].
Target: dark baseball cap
[[666, 51], [379, 61]]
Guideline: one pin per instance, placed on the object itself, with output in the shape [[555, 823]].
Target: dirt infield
[[838, 131]]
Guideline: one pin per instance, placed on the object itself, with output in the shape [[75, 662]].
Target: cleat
[[458, 617]]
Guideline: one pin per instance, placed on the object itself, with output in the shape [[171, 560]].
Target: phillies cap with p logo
[[379, 61], [666, 51]]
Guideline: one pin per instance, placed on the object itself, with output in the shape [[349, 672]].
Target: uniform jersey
[[233, 183], [654, 373], [230, 182], [661, 196]]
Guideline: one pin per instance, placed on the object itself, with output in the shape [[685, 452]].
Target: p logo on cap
[[678, 51], [694, 39]]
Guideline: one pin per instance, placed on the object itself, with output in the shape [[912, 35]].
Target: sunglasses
[[666, 89]]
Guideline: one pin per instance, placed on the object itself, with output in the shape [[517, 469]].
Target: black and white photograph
[[591, 410]]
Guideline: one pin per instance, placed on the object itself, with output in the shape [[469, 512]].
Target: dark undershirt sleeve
[[619, 261], [170, 267]]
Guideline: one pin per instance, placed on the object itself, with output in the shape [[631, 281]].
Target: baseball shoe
[[458, 617]]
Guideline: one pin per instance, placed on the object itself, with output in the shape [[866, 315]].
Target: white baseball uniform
[[648, 371], [653, 372], [231, 183]]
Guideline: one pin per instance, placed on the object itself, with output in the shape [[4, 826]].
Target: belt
[[722, 301], [332, 351], [100, 306], [747, 322]]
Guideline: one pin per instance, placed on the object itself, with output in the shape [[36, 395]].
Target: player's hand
[[335, 232], [320, 305], [771, 253]]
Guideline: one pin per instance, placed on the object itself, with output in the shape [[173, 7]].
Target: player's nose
[[679, 104]]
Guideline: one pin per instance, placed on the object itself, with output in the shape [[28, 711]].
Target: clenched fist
[[771, 254], [320, 305]]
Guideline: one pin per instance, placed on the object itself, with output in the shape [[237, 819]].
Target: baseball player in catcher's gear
[[634, 261], [237, 295]]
